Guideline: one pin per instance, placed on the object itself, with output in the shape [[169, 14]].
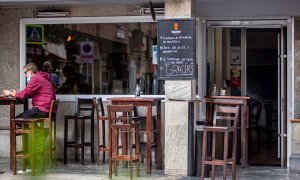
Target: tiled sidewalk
[[100, 172]]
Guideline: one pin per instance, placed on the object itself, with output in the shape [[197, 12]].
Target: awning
[[56, 49]]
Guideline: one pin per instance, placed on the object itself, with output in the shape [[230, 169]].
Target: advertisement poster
[[235, 56], [236, 81], [235, 77]]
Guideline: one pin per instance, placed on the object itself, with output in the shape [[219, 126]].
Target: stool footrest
[[218, 162], [125, 158], [79, 144]]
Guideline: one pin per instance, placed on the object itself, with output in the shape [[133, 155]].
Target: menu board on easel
[[176, 48]]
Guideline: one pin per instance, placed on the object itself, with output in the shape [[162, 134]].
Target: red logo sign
[[175, 25]]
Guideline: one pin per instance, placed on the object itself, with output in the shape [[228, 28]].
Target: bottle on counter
[[137, 91], [214, 91]]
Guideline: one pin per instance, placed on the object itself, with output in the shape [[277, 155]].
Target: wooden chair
[[254, 116], [228, 117], [271, 119], [51, 121], [34, 130], [121, 125], [142, 121], [102, 145], [84, 112]]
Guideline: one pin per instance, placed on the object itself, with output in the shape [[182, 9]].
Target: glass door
[[282, 95]]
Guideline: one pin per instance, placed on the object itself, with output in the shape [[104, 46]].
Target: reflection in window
[[97, 58]]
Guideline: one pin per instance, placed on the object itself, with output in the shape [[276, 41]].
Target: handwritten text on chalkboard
[[176, 48]]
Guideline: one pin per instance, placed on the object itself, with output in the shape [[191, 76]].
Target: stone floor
[[92, 171]]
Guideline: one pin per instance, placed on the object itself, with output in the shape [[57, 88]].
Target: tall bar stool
[[224, 122], [142, 121], [102, 145], [84, 112], [51, 121], [121, 125], [254, 117], [32, 129]]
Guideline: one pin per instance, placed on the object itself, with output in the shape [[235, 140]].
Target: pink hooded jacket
[[40, 90]]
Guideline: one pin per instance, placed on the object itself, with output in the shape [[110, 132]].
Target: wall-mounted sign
[[87, 51], [34, 34], [176, 48], [120, 33]]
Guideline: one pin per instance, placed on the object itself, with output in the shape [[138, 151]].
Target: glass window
[[101, 58]]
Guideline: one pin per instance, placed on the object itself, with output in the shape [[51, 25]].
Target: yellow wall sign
[[34, 34]]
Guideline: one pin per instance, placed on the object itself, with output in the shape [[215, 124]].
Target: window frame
[[75, 20]]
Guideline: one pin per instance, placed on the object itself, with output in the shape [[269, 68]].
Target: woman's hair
[[31, 66]]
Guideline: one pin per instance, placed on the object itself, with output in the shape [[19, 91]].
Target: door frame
[[263, 22]]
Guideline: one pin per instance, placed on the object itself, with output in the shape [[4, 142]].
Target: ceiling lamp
[[49, 14], [152, 11]]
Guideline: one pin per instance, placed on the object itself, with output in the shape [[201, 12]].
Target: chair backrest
[[99, 107], [53, 108], [85, 106], [120, 113], [135, 112], [254, 111], [228, 114]]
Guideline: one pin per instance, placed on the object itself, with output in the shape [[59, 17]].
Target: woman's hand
[[13, 93], [9, 93]]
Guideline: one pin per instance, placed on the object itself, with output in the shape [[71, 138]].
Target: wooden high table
[[243, 102], [147, 102], [11, 102]]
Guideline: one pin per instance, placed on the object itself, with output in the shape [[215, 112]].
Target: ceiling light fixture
[[49, 14], [147, 11], [152, 11]]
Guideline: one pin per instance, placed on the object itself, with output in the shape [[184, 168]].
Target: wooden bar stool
[[142, 121], [121, 124], [34, 130], [102, 145], [224, 122], [84, 112], [51, 122]]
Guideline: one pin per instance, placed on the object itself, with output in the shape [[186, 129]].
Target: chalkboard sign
[[176, 48]]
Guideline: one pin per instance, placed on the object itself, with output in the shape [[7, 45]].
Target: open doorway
[[249, 60]]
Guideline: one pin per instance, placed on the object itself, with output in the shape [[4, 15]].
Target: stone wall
[[296, 126], [297, 68], [295, 139]]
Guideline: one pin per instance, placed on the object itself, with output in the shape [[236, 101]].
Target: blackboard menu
[[176, 48]]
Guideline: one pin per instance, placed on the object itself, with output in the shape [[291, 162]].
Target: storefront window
[[97, 58]]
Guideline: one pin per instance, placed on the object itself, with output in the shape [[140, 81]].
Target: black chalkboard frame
[[191, 31]]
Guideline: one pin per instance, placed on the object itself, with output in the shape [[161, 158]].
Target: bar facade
[[15, 50]]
